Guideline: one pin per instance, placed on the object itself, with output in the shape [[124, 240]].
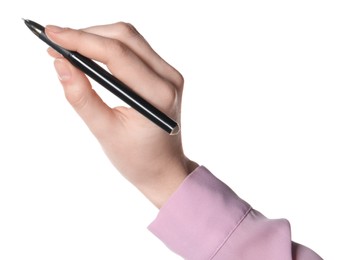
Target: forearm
[[205, 219]]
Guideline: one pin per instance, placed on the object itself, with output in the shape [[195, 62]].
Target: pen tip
[[25, 20]]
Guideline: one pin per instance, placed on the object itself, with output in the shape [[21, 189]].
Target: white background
[[260, 110]]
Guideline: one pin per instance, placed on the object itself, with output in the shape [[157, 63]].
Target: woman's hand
[[146, 155]]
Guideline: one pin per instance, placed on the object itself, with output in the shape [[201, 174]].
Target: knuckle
[[80, 35], [115, 48], [179, 80], [126, 29], [169, 96], [76, 98]]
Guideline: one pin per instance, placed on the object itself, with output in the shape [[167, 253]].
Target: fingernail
[[54, 29], [62, 69]]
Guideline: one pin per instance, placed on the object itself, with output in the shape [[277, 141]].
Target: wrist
[[159, 190]]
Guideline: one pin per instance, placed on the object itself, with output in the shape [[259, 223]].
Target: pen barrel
[[121, 90], [111, 83]]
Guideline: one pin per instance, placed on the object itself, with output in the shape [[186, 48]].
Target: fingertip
[[53, 53], [54, 29], [74, 83], [63, 70], [56, 33]]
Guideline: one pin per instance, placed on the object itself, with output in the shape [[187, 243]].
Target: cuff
[[199, 217]]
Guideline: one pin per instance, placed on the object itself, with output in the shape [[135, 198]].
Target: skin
[[151, 159]]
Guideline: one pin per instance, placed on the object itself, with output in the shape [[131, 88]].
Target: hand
[[146, 155]]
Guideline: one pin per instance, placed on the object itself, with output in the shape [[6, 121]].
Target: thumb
[[82, 97]]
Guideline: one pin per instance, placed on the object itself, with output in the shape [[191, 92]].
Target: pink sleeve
[[204, 219]]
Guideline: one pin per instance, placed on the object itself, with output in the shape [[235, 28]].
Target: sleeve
[[204, 219]]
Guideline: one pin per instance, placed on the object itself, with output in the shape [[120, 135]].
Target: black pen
[[107, 80]]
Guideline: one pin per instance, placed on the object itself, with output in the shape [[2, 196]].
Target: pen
[[107, 80]]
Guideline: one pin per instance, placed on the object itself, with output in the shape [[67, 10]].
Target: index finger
[[128, 34], [122, 62]]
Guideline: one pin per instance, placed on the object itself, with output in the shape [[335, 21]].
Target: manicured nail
[[62, 69], [54, 29]]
